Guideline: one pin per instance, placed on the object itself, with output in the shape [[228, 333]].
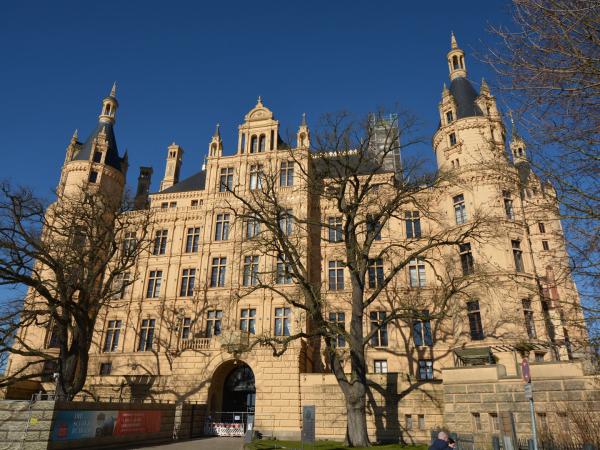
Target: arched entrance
[[239, 391]]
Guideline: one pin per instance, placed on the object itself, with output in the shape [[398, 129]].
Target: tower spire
[[456, 60], [453, 43], [113, 91], [109, 106], [217, 133]]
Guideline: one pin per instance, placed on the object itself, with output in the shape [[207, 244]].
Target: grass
[[267, 444]]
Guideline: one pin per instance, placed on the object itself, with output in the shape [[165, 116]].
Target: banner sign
[[70, 425], [308, 423]]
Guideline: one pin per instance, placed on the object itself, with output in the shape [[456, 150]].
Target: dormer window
[[452, 139], [97, 157], [449, 117]]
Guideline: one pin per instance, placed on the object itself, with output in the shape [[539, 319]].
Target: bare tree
[[353, 173], [74, 257], [548, 60]]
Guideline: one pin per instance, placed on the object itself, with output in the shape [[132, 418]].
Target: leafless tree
[[353, 172], [548, 60], [74, 258]]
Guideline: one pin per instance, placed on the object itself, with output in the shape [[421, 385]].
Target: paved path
[[212, 443]]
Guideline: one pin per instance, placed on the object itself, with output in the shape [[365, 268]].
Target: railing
[[196, 344]]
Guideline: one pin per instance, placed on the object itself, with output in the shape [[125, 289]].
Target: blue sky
[[181, 67]]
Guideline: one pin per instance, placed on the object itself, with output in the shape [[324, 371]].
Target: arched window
[[253, 143], [213, 149], [107, 109], [520, 151], [302, 140], [243, 143], [272, 143], [261, 143], [455, 62], [462, 62]]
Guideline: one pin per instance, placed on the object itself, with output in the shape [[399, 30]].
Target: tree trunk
[[356, 433]]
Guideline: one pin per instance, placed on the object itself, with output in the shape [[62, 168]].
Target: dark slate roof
[[194, 183], [112, 156], [464, 94]]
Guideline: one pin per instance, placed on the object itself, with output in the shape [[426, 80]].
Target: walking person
[[443, 442]]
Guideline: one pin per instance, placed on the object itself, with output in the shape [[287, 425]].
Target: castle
[[175, 332]]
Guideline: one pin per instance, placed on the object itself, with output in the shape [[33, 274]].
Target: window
[[188, 279], [286, 174], [334, 229], [475, 326], [408, 422], [146, 336], [421, 421], [494, 422], [539, 357], [413, 224], [53, 341], [452, 139], [154, 282], [250, 277], [545, 245], [105, 368], [192, 240], [425, 369], [284, 271], [286, 222], [542, 227], [253, 144], [173, 205], [416, 272], [217, 273], [160, 242], [194, 203], [261, 143], [460, 210], [282, 321], [466, 258], [529, 320], [164, 205], [256, 176], [517, 255], [97, 156], [121, 281], [93, 176], [213, 322], [449, 117], [476, 421], [338, 320], [186, 328], [336, 275], [508, 205], [422, 330], [222, 227], [226, 179], [252, 228], [129, 243], [111, 338], [243, 144], [272, 140], [375, 270], [381, 366], [380, 337], [373, 228], [248, 320]]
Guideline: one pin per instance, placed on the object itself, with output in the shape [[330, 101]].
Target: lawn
[[267, 444]]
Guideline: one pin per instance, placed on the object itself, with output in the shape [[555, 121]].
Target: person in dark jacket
[[442, 442]]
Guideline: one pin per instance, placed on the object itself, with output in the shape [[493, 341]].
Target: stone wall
[[14, 418]]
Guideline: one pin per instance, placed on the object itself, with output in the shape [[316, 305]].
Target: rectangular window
[[545, 245], [256, 176], [194, 203], [413, 224], [466, 258], [213, 322], [160, 242], [186, 328], [334, 229], [111, 338], [97, 156], [282, 321], [452, 139], [284, 271], [286, 174], [517, 255], [222, 227], [154, 282], [252, 228], [475, 325], [226, 179], [476, 421], [449, 117], [121, 281], [188, 280], [337, 319], [542, 227], [408, 422], [380, 336], [248, 320], [494, 422], [529, 320], [421, 421], [192, 240], [422, 330], [381, 366], [508, 205], [460, 210], [250, 277], [539, 357], [373, 228], [416, 271], [336, 275], [164, 205], [217, 273], [53, 341], [425, 369], [286, 222], [146, 336], [93, 176], [129, 243], [375, 270], [173, 205], [105, 368]]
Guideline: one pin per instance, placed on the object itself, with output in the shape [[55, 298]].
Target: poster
[[70, 425]]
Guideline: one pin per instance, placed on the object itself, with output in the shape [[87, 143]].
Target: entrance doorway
[[239, 391]]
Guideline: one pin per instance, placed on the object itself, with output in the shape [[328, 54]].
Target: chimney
[[143, 188]]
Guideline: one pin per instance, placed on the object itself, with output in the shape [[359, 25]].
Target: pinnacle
[[259, 102], [453, 42], [217, 133], [113, 91], [303, 122]]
